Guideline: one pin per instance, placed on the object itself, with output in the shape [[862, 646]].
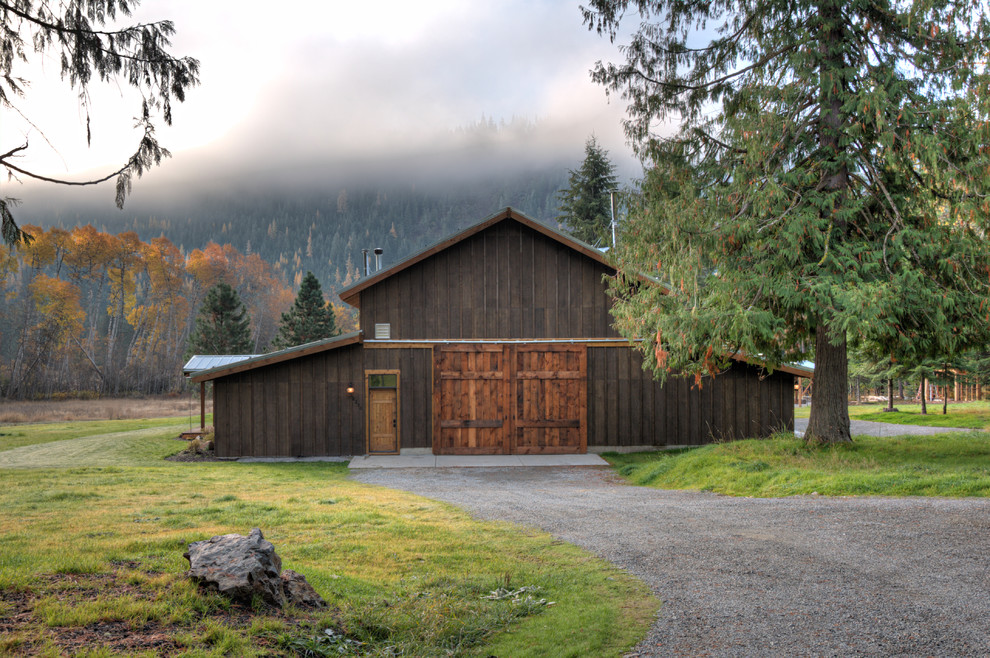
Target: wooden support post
[[202, 405]]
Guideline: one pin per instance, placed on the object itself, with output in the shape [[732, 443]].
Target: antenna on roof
[[611, 207]]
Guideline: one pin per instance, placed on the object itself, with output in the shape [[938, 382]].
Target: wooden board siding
[[415, 366], [627, 408], [509, 399], [505, 282], [296, 408]]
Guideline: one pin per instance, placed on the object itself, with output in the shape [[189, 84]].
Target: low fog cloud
[[335, 92]]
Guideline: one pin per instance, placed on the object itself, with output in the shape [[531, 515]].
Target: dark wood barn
[[497, 340]]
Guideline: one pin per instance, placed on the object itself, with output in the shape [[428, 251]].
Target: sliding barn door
[[469, 400], [509, 399], [550, 384]]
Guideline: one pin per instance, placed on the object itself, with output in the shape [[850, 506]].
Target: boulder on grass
[[239, 567], [299, 592]]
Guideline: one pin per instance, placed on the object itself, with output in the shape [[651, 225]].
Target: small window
[[383, 331], [383, 381]]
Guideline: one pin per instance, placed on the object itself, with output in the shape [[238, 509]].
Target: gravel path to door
[[807, 576]]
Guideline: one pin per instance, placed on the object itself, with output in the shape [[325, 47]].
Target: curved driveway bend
[[806, 575]]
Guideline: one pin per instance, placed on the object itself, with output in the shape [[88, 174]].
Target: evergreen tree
[[311, 317], [222, 326], [827, 180], [585, 206]]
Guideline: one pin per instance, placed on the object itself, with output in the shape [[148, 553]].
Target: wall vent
[[383, 331]]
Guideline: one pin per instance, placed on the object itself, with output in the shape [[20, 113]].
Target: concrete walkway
[[462, 461]]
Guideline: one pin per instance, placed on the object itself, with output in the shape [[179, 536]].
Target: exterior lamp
[[350, 390]]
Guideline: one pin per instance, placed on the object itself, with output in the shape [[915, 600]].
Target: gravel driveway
[[741, 576]]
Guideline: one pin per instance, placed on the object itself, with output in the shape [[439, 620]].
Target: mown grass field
[[970, 415], [953, 465], [91, 563], [16, 436]]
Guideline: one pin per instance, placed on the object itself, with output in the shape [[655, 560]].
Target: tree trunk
[[924, 397], [829, 420], [859, 397], [890, 394], [945, 396]]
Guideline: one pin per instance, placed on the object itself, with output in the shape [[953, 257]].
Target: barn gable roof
[[277, 357], [352, 293]]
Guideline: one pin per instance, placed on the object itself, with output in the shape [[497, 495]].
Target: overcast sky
[[336, 82]]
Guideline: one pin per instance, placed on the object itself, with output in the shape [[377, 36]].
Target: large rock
[[300, 592], [238, 566]]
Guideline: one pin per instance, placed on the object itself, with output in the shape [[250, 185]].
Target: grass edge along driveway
[[950, 465], [400, 572]]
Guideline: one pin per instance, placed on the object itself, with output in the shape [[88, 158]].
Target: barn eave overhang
[[287, 354]]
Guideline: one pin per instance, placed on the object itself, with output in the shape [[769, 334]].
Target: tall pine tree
[[311, 317], [828, 179], [585, 206], [222, 326]]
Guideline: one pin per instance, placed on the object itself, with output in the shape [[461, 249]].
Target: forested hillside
[[324, 229], [103, 301]]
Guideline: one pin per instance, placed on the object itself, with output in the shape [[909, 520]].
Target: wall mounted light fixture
[[350, 390]]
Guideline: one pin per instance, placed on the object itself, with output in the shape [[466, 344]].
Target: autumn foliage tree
[[83, 310], [827, 178]]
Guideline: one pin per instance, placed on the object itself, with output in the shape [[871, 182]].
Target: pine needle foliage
[[311, 317], [586, 203], [222, 325], [81, 35], [829, 178]]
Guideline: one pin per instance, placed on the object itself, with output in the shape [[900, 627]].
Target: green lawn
[[96, 546], [971, 415], [953, 465], [15, 436]]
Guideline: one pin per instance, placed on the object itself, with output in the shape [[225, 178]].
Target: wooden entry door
[[383, 413], [550, 390], [509, 399]]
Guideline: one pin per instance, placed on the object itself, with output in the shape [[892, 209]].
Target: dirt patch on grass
[[191, 456], [119, 637], [55, 411], [23, 630]]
